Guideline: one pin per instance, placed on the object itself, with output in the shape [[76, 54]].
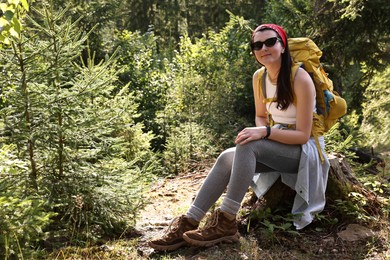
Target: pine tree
[[74, 125]]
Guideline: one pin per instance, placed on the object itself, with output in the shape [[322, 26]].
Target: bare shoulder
[[303, 81], [302, 75]]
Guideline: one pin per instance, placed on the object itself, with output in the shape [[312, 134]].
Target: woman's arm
[[261, 118], [304, 90]]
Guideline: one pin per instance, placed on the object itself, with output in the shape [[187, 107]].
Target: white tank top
[[287, 116]]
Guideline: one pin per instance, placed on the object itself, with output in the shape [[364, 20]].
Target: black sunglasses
[[256, 46]]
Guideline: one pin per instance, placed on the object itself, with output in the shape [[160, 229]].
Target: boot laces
[[174, 226], [213, 222]]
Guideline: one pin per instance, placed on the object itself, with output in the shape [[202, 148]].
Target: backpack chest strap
[[269, 100]]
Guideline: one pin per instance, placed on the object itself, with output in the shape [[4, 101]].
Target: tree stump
[[341, 182]]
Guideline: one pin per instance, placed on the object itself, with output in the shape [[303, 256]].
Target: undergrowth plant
[[339, 140], [188, 144], [273, 221], [23, 218], [353, 209]]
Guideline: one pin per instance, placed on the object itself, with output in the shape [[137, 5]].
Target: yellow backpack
[[330, 105]]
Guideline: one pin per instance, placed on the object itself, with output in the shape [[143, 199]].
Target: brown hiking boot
[[173, 237], [221, 228]]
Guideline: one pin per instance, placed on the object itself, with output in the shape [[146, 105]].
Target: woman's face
[[268, 55]]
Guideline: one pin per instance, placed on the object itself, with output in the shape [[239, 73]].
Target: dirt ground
[[171, 197]]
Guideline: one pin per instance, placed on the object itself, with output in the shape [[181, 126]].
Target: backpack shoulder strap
[[263, 87], [261, 82]]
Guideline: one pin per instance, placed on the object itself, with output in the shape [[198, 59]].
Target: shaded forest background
[[99, 98]]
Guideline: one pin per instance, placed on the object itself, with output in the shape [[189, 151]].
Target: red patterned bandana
[[278, 29]]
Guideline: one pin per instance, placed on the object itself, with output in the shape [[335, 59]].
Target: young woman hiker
[[262, 153]]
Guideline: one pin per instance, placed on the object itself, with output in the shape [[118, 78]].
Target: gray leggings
[[234, 170]]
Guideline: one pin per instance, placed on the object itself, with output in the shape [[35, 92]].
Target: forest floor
[[171, 197]]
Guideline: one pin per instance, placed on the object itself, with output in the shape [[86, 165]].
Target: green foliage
[[144, 73], [326, 220], [106, 201], [10, 24], [338, 140], [23, 218], [376, 113], [212, 82], [214, 72], [377, 186], [273, 221], [353, 209], [169, 20], [187, 145]]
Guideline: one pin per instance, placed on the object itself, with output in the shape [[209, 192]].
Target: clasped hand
[[250, 134]]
